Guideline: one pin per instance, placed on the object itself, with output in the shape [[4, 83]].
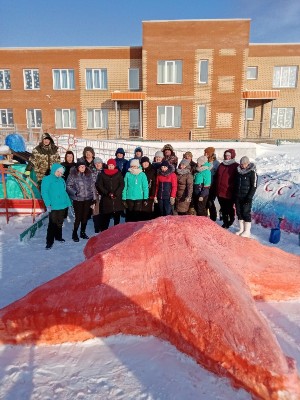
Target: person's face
[[145, 164], [89, 154], [69, 158], [187, 157], [164, 168], [98, 165], [58, 173], [120, 155], [167, 153], [158, 159], [81, 168], [46, 142], [227, 156], [134, 167], [111, 166], [138, 154], [244, 165]]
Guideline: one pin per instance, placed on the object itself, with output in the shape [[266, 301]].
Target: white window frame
[[32, 114], [97, 118], [65, 118], [281, 114], [203, 124], [133, 79], [250, 113], [8, 113], [285, 76], [252, 73], [96, 83], [203, 72], [31, 71], [169, 72], [5, 73], [70, 79], [166, 116]]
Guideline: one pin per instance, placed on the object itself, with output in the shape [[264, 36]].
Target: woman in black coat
[[147, 207], [110, 185], [246, 184]]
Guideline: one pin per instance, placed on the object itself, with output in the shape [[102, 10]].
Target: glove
[[155, 200], [200, 198], [172, 201], [111, 195], [49, 209], [125, 204], [187, 200], [145, 203]]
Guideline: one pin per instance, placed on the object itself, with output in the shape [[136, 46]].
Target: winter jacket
[[202, 180], [53, 190], [121, 165], [136, 185], [43, 157], [68, 167], [226, 179], [166, 184], [107, 185], [151, 178], [246, 182], [184, 189], [81, 186]]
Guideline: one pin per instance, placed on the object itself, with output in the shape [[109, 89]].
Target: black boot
[[75, 236], [49, 246], [83, 235]]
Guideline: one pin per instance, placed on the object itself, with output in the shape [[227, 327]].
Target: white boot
[[242, 227], [246, 232]]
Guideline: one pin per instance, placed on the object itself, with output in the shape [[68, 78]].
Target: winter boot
[[83, 235], [48, 246], [246, 232], [75, 236], [242, 227]]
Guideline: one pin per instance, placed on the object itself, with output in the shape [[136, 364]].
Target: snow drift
[[183, 279]]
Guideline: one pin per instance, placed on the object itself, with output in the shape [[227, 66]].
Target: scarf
[[110, 172]]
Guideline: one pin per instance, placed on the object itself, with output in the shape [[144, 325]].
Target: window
[[34, 118], [285, 77], [168, 117], [31, 79], [169, 72], [203, 71], [134, 118], [63, 79], [252, 72], [250, 113], [65, 118], [96, 79], [97, 118], [283, 117], [7, 117], [133, 77], [5, 79], [201, 123]]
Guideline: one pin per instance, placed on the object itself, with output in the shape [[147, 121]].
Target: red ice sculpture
[[182, 279]]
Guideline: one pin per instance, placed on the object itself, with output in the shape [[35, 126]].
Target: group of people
[[140, 189]]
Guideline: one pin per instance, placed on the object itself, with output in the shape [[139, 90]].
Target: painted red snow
[[182, 279]]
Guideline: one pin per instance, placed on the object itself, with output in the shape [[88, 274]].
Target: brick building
[[190, 80]]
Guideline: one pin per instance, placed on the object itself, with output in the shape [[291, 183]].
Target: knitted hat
[[188, 154], [120, 150], [145, 159], [167, 146], [111, 161], [90, 149], [244, 160], [159, 154], [80, 162], [202, 160], [164, 163], [209, 151], [46, 136], [98, 160], [134, 162], [185, 162], [138, 149], [231, 151]]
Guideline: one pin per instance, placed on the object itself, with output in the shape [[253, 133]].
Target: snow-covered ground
[[125, 367]]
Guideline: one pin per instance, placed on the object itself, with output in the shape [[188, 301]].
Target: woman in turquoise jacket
[[56, 200], [135, 192], [202, 182]]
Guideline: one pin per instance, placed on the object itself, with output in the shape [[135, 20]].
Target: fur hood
[[243, 171]]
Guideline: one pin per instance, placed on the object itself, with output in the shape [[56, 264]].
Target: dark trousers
[[134, 210], [82, 212], [165, 207], [243, 209], [227, 211], [105, 220], [211, 207], [200, 206], [54, 231]]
